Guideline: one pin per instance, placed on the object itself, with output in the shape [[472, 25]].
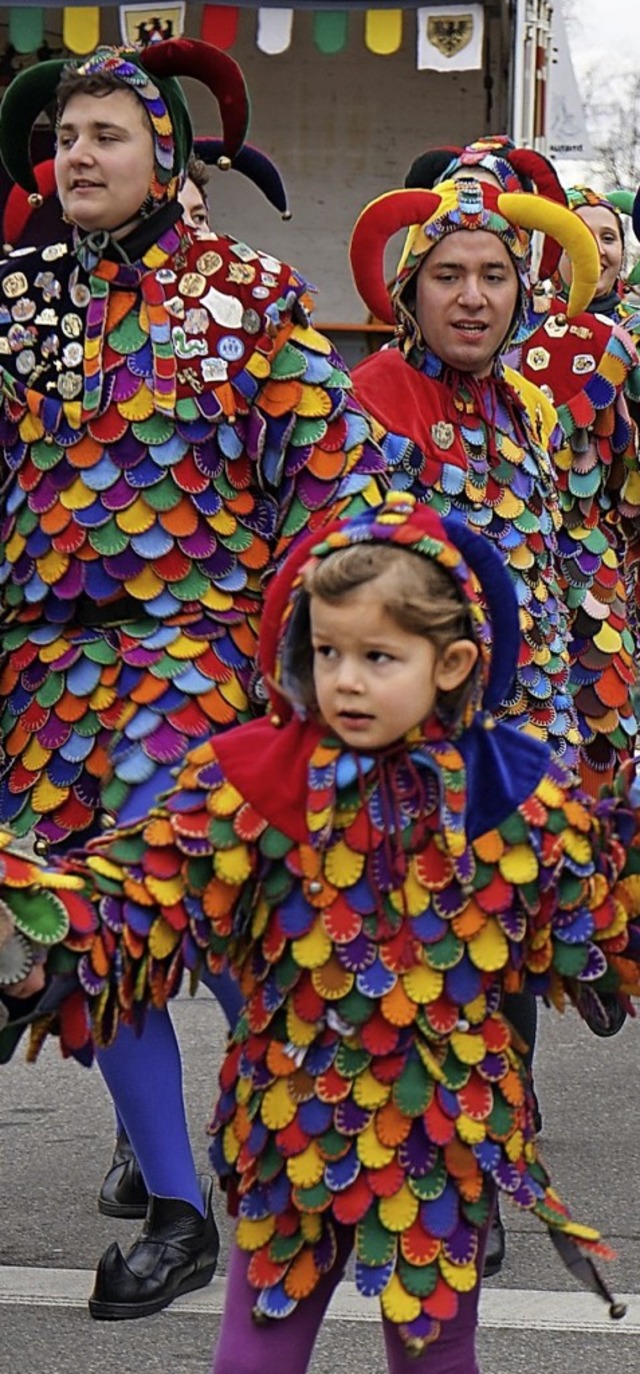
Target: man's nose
[[80, 150], [471, 291]]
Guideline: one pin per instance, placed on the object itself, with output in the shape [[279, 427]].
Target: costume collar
[[98, 246], [482, 776], [105, 272], [424, 360]]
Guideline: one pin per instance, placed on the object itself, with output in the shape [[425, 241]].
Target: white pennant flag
[[274, 30], [450, 39], [566, 125]]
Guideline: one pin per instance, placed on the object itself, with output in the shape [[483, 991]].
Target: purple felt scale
[[351, 1119], [88, 979], [417, 1155], [359, 954], [461, 1247]]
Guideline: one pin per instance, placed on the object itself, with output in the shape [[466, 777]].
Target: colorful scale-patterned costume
[[589, 369], [169, 425], [485, 451], [591, 374], [374, 909]]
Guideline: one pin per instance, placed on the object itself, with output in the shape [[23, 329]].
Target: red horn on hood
[[216, 69], [378, 222], [20, 204]]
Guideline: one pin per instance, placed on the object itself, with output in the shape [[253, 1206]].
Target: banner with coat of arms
[[450, 38], [148, 23]]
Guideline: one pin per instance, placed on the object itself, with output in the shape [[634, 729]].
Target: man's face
[[104, 160], [196, 213], [466, 295]]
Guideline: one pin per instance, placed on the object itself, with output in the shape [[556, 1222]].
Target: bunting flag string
[[274, 30], [383, 31], [220, 25], [81, 28], [330, 30], [450, 36]]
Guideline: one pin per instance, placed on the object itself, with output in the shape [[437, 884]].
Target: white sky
[[604, 30]]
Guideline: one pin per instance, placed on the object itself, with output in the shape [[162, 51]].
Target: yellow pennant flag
[[81, 28]]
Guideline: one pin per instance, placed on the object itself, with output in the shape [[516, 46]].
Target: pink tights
[[244, 1347]]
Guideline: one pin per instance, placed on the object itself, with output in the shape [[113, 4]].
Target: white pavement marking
[[501, 1308]]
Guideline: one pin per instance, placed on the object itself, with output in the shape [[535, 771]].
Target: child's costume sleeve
[[576, 864], [140, 908]]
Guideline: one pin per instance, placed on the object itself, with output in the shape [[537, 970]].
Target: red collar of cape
[[269, 766]]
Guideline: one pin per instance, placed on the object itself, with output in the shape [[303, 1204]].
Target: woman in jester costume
[[605, 216], [417, 859], [589, 368], [598, 468], [170, 423]]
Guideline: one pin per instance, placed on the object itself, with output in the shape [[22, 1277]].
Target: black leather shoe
[[608, 1017], [124, 1191], [176, 1253], [496, 1247]]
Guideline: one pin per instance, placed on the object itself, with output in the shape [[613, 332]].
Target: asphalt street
[[56, 1131]]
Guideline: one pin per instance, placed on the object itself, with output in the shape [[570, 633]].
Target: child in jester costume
[[416, 859], [169, 424]]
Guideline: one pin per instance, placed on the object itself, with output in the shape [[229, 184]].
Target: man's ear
[[455, 664]]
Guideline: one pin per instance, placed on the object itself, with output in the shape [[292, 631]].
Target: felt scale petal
[[372, 1281], [42, 917]]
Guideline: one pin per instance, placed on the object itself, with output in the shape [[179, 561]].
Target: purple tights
[[244, 1347]]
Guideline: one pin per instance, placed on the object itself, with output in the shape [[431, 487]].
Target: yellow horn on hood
[[569, 230]]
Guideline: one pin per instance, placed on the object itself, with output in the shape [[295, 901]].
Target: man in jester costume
[[461, 294], [169, 425], [588, 367], [416, 859]]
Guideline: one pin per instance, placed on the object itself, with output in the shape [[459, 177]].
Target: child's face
[[374, 680]]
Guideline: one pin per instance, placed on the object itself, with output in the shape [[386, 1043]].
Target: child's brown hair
[[419, 595]]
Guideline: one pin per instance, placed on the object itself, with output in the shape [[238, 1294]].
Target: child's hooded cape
[[374, 908]]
